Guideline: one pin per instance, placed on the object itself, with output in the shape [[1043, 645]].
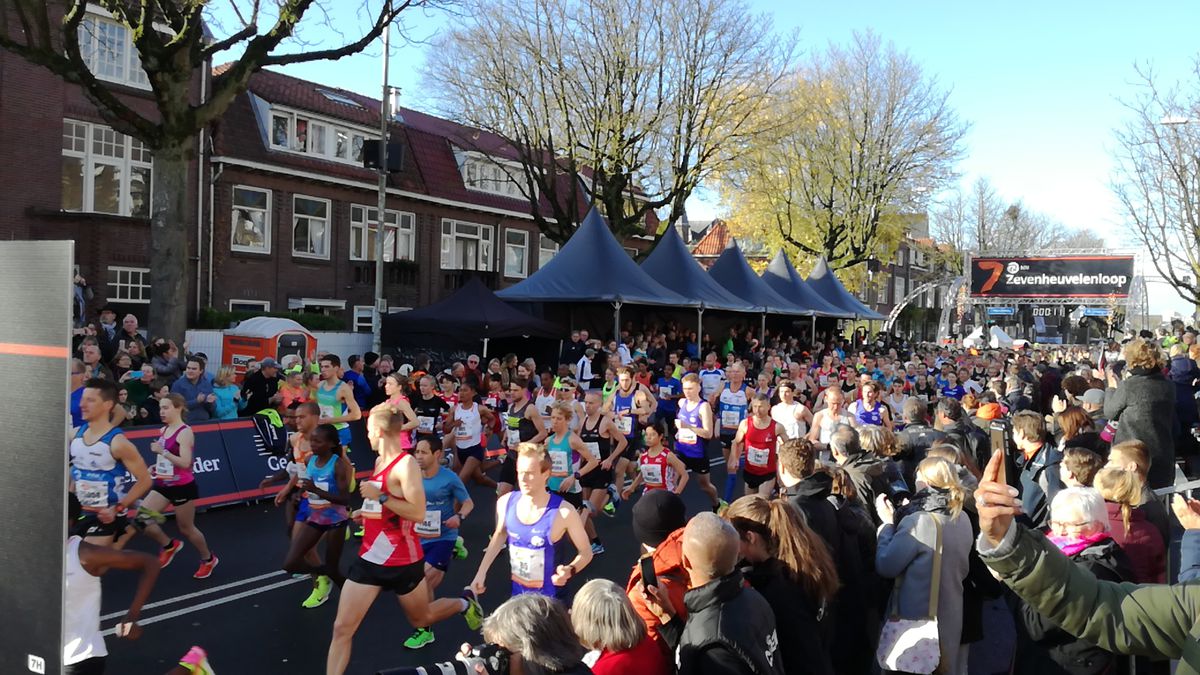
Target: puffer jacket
[[1183, 374], [668, 567]]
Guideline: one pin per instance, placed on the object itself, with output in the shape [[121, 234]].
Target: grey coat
[[1144, 405], [908, 549]]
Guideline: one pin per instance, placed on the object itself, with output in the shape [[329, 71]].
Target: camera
[[493, 658]]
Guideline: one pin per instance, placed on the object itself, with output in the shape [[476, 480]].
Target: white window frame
[[131, 72], [484, 252], [263, 305], [127, 146], [114, 292], [545, 253], [306, 146], [483, 173], [357, 313], [266, 248], [398, 222], [328, 229], [524, 245]]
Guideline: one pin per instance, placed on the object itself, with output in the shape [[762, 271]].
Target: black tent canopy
[[734, 274], [786, 281], [823, 282]]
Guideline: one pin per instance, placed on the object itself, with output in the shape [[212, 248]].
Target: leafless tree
[[1157, 178], [627, 104], [174, 45]]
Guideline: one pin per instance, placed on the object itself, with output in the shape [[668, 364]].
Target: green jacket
[[1142, 620]]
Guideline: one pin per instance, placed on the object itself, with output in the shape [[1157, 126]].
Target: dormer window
[[497, 177], [309, 135]]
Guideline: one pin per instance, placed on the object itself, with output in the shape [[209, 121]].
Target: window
[[129, 284], [897, 289], [251, 224], [293, 132], [486, 175], [339, 98], [547, 247], [516, 253], [310, 227], [107, 49], [104, 171], [466, 246], [399, 234], [237, 305], [364, 316]]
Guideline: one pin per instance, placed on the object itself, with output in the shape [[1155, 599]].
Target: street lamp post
[[381, 213]]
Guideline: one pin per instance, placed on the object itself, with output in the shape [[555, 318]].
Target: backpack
[[270, 436]]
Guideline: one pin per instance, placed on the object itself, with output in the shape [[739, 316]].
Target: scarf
[[1074, 545], [926, 500]]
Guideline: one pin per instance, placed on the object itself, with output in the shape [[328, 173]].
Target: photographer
[[536, 631]]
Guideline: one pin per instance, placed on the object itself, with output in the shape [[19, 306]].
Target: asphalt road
[[248, 615]]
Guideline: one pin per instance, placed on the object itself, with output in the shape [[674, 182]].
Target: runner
[[792, 414], [175, 484], [731, 403], [497, 402], [567, 390], [466, 423], [390, 556], [696, 429], [658, 468], [394, 386], [545, 397], [711, 376], [326, 486], [826, 420], [631, 406], [758, 438], [826, 375], [566, 451], [447, 505], [336, 399], [605, 441], [668, 389], [430, 409], [869, 409], [101, 457], [531, 522], [522, 424]]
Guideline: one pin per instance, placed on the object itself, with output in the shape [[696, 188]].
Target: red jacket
[[668, 567], [644, 659], [1142, 543]]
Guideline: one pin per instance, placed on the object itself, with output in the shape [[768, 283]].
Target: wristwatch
[[577, 476], [383, 497], [461, 517]]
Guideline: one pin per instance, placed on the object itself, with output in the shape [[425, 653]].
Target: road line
[[213, 603], [197, 594]]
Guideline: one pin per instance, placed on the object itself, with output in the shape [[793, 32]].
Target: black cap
[[657, 514]]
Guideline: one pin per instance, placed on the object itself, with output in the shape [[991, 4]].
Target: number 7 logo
[[996, 268]]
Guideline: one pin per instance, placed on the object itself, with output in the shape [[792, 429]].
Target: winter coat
[[856, 619], [973, 441], [1144, 406], [869, 473], [798, 619], [908, 549], [730, 630], [811, 497], [1142, 544], [1184, 374], [914, 442], [671, 577]]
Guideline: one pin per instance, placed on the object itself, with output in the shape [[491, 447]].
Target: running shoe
[[145, 515], [473, 613], [362, 529], [166, 555], [196, 661], [597, 548], [420, 638], [320, 593], [609, 510], [720, 507], [614, 496], [206, 567], [460, 549]]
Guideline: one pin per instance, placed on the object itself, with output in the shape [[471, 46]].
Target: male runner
[[695, 429], [447, 505], [336, 399], [757, 439], [522, 424], [604, 440], [711, 376], [731, 403], [390, 556], [631, 405], [100, 458], [430, 409], [531, 522], [545, 397]]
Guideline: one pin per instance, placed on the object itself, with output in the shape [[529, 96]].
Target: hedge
[[220, 320]]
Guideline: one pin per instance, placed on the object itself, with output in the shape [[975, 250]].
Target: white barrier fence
[[209, 342]]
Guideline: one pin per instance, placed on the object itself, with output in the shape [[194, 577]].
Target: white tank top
[[543, 403], [470, 429], [786, 416], [81, 619], [829, 423]]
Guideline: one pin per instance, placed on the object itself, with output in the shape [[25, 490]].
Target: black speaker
[[395, 156], [35, 300]]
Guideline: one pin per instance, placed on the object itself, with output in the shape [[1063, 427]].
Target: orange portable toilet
[[256, 339]]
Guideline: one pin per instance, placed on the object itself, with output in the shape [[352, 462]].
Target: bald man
[[730, 629]]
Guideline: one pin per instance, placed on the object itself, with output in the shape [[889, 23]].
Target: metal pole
[[699, 328], [763, 330], [813, 338], [617, 322], [381, 215], [485, 346]]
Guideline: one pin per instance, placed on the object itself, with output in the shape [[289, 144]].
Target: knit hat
[[990, 411], [657, 514]]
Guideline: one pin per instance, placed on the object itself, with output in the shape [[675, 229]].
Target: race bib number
[[461, 431], [559, 463], [371, 508], [313, 499], [626, 424], [652, 474], [431, 526], [424, 424], [92, 494], [163, 468], [666, 390], [593, 448], [514, 438], [326, 411], [528, 566], [730, 419], [758, 456], [687, 436]]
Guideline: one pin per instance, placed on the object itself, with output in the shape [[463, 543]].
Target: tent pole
[[699, 328], [485, 346], [813, 337], [617, 322], [762, 331]]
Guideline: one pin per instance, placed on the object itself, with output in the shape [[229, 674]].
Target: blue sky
[[1040, 83]]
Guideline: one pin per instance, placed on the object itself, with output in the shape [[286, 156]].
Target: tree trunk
[[169, 220]]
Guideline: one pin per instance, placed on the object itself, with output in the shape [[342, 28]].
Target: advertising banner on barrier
[[210, 463], [1060, 277]]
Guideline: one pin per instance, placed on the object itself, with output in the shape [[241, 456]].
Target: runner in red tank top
[[658, 468], [391, 557], [756, 443]]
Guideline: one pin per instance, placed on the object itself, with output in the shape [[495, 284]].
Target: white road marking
[[213, 603], [197, 594]]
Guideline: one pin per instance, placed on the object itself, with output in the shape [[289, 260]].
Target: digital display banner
[[1062, 277]]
